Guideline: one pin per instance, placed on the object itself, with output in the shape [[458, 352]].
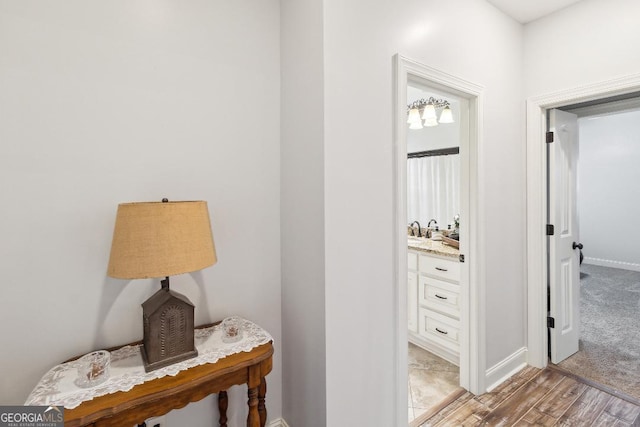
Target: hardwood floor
[[535, 397]]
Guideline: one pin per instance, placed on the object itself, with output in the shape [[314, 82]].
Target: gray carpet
[[610, 334]]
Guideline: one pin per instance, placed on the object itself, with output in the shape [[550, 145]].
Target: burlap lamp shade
[[162, 239], [159, 239]]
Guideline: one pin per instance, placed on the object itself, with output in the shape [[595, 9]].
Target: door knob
[[577, 245]]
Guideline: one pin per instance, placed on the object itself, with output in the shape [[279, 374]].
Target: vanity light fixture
[[425, 109]]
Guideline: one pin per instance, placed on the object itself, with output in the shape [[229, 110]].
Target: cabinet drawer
[[439, 267], [439, 328], [440, 296], [412, 259]]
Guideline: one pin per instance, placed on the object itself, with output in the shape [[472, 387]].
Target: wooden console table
[[159, 396]]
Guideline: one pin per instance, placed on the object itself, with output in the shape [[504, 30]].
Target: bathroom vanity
[[434, 297]]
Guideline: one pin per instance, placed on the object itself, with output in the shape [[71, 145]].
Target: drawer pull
[[442, 332], [441, 269], [441, 297]]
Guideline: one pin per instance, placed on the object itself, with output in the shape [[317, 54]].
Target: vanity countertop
[[435, 247]]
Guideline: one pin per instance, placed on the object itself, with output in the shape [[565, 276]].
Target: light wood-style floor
[[535, 397]]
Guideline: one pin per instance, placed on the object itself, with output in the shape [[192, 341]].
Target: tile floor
[[431, 379]]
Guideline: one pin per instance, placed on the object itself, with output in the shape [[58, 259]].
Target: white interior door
[[564, 256]]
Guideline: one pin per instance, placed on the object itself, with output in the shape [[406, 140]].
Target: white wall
[[588, 42], [471, 40], [106, 102], [607, 175], [302, 218]]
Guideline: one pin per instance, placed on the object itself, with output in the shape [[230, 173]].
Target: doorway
[[471, 330], [608, 291], [437, 128], [537, 262]]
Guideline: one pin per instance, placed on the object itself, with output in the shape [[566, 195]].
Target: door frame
[[537, 344], [472, 286]]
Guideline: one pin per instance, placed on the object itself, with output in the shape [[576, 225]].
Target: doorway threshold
[[617, 393], [452, 397]]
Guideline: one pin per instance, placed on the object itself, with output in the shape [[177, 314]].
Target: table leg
[[262, 409], [253, 419], [223, 404]]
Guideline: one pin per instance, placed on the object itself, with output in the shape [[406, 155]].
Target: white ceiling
[[525, 11]]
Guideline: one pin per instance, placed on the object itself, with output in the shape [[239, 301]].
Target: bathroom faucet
[[429, 232], [411, 225]]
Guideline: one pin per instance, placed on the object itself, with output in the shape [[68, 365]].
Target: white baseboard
[[502, 370], [613, 264], [280, 422]]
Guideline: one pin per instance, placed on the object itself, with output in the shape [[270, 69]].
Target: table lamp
[[162, 239]]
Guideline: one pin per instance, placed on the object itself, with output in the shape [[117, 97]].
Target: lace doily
[[57, 387]]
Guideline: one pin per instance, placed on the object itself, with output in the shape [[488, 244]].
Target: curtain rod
[[430, 153]]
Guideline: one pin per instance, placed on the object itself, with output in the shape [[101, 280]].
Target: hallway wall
[[109, 102], [588, 42], [474, 41], [302, 213]]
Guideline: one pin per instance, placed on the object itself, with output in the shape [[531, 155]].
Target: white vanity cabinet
[[434, 304], [412, 292]]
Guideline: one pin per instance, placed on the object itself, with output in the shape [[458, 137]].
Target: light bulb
[[416, 125], [446, 116], [414, 116], [432, 121], [429, 112]]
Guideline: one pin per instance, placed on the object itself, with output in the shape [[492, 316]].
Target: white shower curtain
[[433, 189]]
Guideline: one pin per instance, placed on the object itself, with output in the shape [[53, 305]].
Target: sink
[[416, 240]]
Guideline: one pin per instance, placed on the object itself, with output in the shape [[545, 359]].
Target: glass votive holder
[[231, 330], [93, 368]]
